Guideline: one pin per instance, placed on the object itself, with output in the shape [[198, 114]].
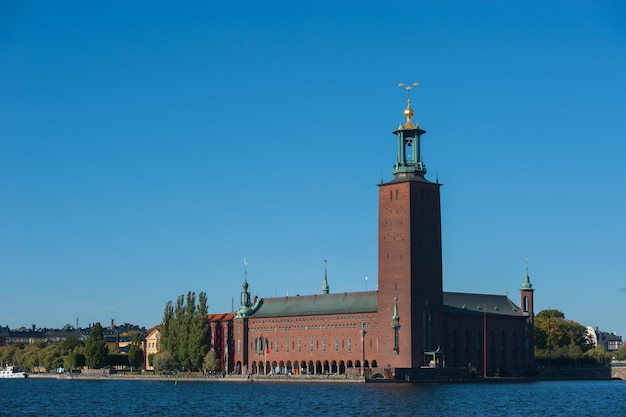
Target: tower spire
[[526, 294], [526, 285], [325, 287], [245, 304], [409, 161]]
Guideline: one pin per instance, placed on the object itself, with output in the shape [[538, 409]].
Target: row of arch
[[303, 367]]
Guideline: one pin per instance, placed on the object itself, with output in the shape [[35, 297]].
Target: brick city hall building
[[407, 327]]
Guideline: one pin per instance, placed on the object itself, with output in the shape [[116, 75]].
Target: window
[[238, 345], [336, 344], [324, 344], [349, 344], [276, 346], [287, 344], [311, 344], [299, 345]]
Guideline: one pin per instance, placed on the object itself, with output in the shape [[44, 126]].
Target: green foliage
[[210, 362], [117, 359], [598, 355], [8, 355], [620, 354], [71, 343], [162, 362], [95, 348], [52, 357], [75, 360], [560, 342], [185, 331], [135, 354], [199, 333]]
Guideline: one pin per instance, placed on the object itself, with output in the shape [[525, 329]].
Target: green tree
[[117, 359], [169, 336], [135, 354], [71, 343], [30, 357], [210, 362], [199, 333], [162, 362], [598, 355], [95, 348], [185, 315], [620, 354], [52, 357], [8, 355], [559, 341], [185, 331], [75, 360]]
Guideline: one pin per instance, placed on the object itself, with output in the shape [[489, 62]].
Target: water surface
[[51, 397]]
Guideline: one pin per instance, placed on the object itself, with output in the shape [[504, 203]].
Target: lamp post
[[484, 340], [363, 332], [264, 346]]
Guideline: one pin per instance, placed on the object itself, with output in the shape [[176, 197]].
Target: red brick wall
[[290, 342], [409, 268]]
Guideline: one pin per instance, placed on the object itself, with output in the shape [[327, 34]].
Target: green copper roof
[[526, 285], [310, 305]]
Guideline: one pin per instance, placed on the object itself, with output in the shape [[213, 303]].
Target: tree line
[[72, 353], [563, 342]]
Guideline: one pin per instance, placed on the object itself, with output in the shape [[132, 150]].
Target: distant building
[[4, 335], [152, 345], [407, 325], [26, 336], [609, 341]]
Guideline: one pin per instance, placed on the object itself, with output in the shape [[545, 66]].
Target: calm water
[[49, 397]]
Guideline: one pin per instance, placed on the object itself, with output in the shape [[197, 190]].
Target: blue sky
[[147, 148]]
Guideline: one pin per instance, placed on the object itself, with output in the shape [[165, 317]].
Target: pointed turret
[[395, 325], [244, 308], [526, 294], [325, 287]]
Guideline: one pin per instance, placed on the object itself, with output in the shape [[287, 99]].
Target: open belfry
[[408, 328]]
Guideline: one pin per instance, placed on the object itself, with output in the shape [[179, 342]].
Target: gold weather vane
[[408, 112], [408, 88]]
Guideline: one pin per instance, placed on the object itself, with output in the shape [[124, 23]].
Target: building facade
[[408, 323]]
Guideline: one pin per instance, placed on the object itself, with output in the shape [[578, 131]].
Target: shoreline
[[323, 379], [199, 378]]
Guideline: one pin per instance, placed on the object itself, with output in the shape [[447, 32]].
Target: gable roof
[[465, 303], [220, 317], [313, 305]]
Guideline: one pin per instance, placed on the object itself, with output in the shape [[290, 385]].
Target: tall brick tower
[[410, 292]]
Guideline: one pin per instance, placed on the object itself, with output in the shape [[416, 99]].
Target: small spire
[[526, 285], [325, 287], [245, 274], [395, 319]]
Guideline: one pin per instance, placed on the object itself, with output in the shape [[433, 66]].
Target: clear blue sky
[[148, 147]]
